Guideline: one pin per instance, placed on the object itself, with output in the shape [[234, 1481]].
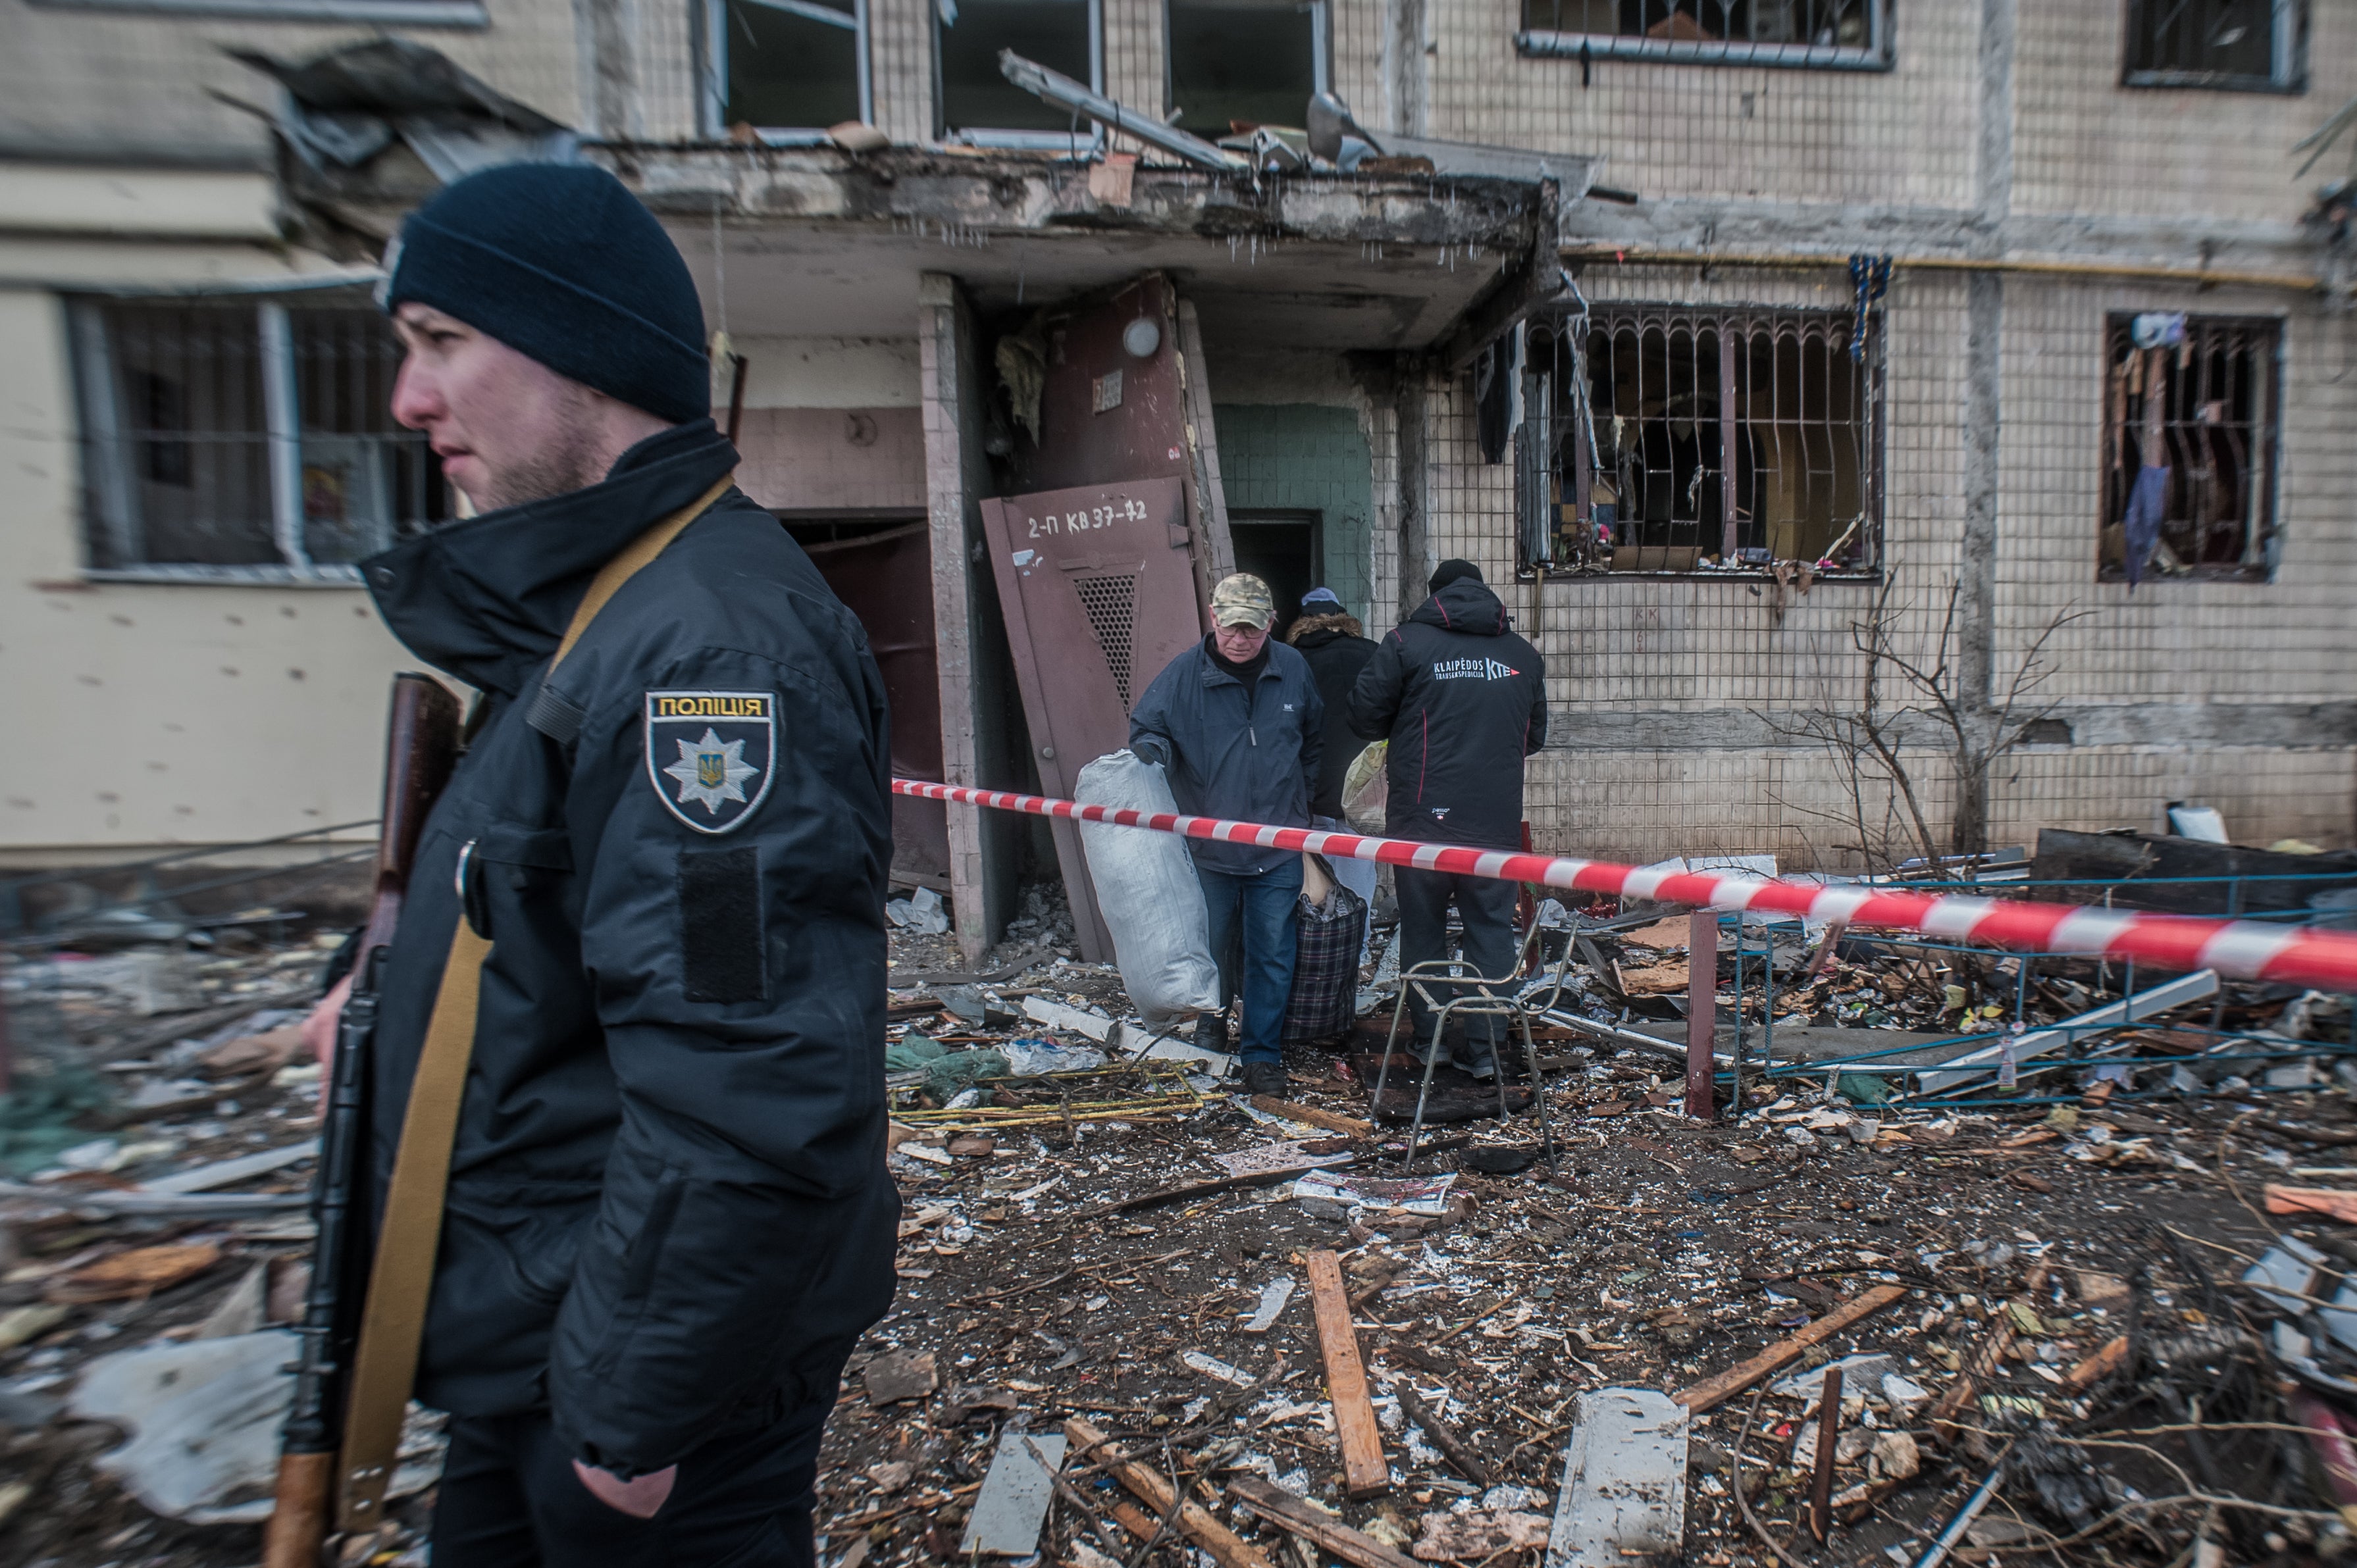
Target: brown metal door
[[1099, 592], [885, 578]]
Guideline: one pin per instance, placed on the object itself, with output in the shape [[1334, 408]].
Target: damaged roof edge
[[1011, 193]]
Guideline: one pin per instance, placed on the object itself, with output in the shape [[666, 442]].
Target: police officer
[[668, 1217]]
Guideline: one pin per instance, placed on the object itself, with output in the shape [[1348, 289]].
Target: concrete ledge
[[2200, 726]]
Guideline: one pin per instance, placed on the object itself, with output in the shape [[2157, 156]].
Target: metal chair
[[1473, 995]]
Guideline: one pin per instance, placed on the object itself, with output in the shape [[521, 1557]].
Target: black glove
[[1150, 751]]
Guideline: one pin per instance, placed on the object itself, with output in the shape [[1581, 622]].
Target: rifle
[[421, 748]]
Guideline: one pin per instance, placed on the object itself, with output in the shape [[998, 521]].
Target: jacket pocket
[[505, 863], [535, 1227]]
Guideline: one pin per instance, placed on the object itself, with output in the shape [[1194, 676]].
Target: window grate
[[2250, 46], [237, 437], [1111, 604], [1713, 439], [1823, 33], [2195, 395]]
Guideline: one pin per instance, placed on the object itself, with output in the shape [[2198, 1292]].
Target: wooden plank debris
[[1713, 1391], [1365, 1472], [1453, 1447], [2331, 1202], [1194, 1521], [2097, 1367], [1198, 1189], [1977, 1369], [1820, 1473], [1014, 1502], [1624, 1481], [1309, 1115], [1314, 1525]]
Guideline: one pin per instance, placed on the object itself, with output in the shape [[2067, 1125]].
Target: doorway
[[1286, 549], [882, 568]]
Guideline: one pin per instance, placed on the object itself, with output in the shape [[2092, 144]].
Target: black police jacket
[[668, 1207], [1462, 701]]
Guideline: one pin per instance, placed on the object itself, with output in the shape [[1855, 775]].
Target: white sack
[[1149, 894]]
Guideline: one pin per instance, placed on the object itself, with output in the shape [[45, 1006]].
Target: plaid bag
[[1324, 965]]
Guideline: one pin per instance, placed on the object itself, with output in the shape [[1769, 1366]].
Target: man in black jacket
[[668, 1216], [1462, 701], [1235, 723], [1337, 648]]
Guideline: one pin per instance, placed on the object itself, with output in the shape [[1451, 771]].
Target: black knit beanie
[[561, 262], [1447, 572]]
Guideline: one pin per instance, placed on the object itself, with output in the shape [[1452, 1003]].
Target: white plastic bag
[[1366, 788], [1147, 892]]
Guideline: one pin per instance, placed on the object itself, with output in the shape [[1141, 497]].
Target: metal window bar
[[1826, 34], [2204, 409], [1714, 438], [2246, 45], [242, 438]]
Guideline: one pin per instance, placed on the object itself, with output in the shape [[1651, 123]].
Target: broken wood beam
[[1454, 1448], [1202, 1188], [2097, 1367], [1195, 1522], [1713, 1391], [1332, 1121], [1321, 1530], [1365, 1472], [1821, 1475], [1976, 1369]]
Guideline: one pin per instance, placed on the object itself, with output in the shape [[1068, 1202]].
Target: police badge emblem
[[711, 755]]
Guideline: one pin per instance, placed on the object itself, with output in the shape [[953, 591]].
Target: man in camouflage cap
[[1236, 723]]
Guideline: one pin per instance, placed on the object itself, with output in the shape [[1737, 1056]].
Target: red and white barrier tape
[[2247, 950]]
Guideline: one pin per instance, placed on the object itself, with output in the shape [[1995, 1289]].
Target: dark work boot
[[1211, 1032], [1265, 1078], [1477, 1059]]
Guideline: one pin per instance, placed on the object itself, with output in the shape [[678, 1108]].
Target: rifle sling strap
[[393, 1322]]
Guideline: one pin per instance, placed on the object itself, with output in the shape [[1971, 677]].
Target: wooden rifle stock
[[421, 748]]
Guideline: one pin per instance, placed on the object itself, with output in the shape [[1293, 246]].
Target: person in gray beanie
[[654, 888]]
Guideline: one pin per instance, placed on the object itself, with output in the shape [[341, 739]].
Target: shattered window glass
[[1240, 63], [1058, 34], [228, 435], [1708, 440], [790, 64], [2250, 45], [2189, 436], [1792, 32]]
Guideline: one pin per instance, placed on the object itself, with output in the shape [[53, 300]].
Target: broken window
[[789, 68], [2247, 45], [1239, 63], [1707, 440], [2195, 397], [1851, 34], [235, 438], [977, 103]]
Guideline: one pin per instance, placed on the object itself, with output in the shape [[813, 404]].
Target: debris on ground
[[1131, 1300]]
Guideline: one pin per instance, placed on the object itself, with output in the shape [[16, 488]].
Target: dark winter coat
[[1250, 764], [1338, 648], [668, 1206], [1462, 701]]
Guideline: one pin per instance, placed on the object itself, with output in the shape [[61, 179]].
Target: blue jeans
[[1260, 911]]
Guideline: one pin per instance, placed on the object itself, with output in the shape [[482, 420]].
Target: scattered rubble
[[1138, 1307]]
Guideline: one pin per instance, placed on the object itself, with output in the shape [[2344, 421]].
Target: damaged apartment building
[[1901, 426]]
